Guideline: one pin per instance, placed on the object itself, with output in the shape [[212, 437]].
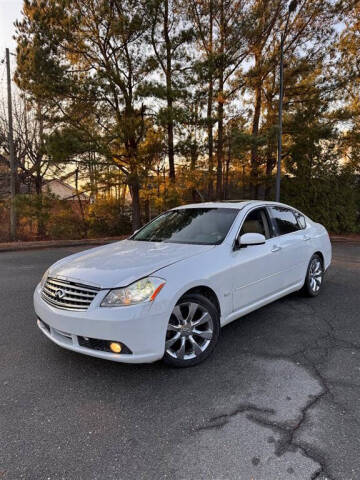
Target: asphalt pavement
[[278, 400]]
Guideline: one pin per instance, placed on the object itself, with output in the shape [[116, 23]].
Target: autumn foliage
[[161, 102]]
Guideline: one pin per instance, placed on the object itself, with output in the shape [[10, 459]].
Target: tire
[[314, 276], [193, 331]]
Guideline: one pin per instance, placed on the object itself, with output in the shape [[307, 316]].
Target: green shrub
[[332, 200], [4, 221], [65, 221], [106, 219], [33, 213]]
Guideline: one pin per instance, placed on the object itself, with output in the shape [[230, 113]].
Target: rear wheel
[[314, 276], [192, 332]]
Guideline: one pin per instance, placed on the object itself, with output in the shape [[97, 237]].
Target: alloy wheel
[[189, 332], [315, 274]]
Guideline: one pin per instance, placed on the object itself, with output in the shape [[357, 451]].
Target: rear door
[[290, 228]]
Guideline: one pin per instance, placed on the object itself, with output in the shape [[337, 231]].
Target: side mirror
[[251, 239]]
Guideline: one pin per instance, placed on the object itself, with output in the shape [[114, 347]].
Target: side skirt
[[261, 303]]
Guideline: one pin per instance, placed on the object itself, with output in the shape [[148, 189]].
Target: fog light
[[115, 347]]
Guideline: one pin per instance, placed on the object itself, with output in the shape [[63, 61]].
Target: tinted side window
[[284, 219]]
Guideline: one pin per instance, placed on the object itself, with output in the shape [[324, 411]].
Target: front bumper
[[142, 328]]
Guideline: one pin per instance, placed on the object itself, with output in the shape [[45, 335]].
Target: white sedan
[[166, 291]]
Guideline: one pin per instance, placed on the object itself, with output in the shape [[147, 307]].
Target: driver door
[[255, 269]]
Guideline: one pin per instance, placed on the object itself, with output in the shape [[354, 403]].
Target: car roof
[[240, 204], [227, 204]]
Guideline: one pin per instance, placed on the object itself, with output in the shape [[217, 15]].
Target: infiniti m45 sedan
[[165, 292]]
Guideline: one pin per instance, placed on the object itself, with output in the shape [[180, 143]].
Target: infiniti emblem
[[60, 294]]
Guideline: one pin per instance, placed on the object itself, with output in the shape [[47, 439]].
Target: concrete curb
[[345, 239], [19, 246]]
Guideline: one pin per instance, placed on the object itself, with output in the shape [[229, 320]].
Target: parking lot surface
[[278, 400]]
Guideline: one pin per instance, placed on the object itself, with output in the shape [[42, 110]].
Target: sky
[[10, 10]]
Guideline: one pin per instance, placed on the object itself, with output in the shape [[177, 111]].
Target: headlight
[[144, 290], [44, 278]]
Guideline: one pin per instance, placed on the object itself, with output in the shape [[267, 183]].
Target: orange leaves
[[220, 98]]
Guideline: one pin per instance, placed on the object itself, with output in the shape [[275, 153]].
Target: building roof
[[63, 190]]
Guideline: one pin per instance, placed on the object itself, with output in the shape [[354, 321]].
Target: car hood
[[121, 263]]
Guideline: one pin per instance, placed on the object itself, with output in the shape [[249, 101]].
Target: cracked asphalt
[[278, 400]]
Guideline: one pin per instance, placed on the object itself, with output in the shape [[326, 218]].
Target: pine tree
[[87, 58]]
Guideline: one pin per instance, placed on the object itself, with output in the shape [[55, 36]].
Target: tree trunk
[[123, 197], [210, 142], [92, 174], [254, 148], [158, 188], [220, 143], [135, 197], [271, 143], [210, 105], [243, 181], [38, 179], [193, 157], [227, 168], [41, 231], [169, 99], [147, 210], [270, 164], [81, 206]]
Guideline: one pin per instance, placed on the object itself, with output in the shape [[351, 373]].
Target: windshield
[[201, 226]]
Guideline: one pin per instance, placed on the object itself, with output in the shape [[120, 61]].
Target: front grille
[[68, 295]]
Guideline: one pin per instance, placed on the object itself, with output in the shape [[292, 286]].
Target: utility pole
[[291, 8], [281, 96], [12, 153]]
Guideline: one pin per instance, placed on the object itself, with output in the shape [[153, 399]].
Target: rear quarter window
[[300, 220], [284, 220]]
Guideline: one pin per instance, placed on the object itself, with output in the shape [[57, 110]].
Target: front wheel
[[314, 276], [192, 332]]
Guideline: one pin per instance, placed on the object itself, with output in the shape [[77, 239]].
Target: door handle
[[306, 238], [275, 248]]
